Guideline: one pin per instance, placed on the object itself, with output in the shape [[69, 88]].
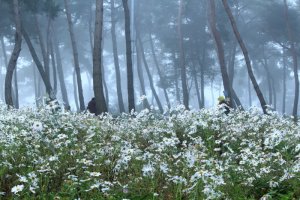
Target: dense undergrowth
[[179, 155]]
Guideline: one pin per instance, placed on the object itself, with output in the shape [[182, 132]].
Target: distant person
[[224, 104], [92, 106]]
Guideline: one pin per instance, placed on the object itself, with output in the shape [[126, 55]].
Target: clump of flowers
[[181, 154]]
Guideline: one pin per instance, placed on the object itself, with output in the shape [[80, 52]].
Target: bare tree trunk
[[97, 60], [141, 76], [295, 61], [60, 73], [149, 73], [15, 55], [75, 92], [284, 83], [197, 87], [5, 62], [39, 65], [182, 58], [43, 46], [75, 56], [160, 74], [177, 91], [220, 50], [116, 58], [35, 86], [247, 59], [130, 87], [249, 92], [16, 90], [53, 68]]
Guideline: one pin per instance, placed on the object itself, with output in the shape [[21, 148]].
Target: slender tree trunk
[[284, 83], [177, 91], [220, 50], [249, 92], [97, 60], [16, 89], [35, 86], [75, 92], [15, 55], [295, 61], [130, 87], [75, 56], [39, 65], [247, 59], [116, 58], [43, 47], [5, 63], [274, 94], [197, 86], [149, 73], [182, 58], [265, 64], [160, 74], [60, 73], [53, 68], [141, 76]]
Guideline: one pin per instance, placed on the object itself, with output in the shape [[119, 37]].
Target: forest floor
[[181, 154]]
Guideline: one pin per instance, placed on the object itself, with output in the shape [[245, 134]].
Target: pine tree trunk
[[75, 56], [53, 68], [149, 73], [249, 92], [97, 60], [295, 61], [284, 83], [160, 74], [60, 72], [130, 84], [220, 51], [75, 92], [14, 56], [39, 65], [116, 58], [197, 87], [182, 58], [16, 89], [141, 76], [43, 47], [246, 56]]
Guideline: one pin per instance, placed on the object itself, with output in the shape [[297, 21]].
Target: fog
[[183, 52]]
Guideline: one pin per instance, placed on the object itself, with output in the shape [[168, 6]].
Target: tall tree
[[246, 56], [182, 57], [15, 55], [97, 56], [75, 56], [295, 59], [130, 85], [116, 58], [60, 73], [220, 50]]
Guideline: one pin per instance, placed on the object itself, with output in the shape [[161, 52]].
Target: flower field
[[178, 155]]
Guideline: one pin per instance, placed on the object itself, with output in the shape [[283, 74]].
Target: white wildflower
[[16, 189]]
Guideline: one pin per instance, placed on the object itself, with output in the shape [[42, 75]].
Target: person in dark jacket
[[92, 106], [224, 104]]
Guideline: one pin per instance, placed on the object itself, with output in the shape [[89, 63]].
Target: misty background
[[176, 52]]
